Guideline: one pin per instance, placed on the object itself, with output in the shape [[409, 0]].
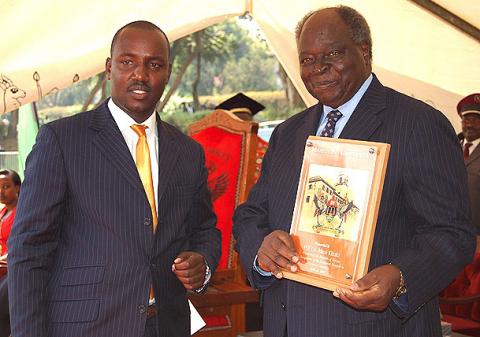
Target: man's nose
[[320, 66], [140, 73]]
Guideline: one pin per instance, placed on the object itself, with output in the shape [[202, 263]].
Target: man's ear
[[365, 52], [108, 67]]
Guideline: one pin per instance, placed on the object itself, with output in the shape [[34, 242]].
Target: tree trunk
[[176, 82], [104, 90], [96, 88], [293, 98], [12, 127], [198, 53]]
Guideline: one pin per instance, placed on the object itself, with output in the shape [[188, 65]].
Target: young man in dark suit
[[423, 235], [115, 214]]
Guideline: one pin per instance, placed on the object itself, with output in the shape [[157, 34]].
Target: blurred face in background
[[8, 190], [471, 126]]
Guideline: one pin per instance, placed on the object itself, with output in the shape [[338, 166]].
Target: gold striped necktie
[[144, 168]]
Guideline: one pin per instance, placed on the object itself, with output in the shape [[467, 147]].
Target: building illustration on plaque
[[333, 202]]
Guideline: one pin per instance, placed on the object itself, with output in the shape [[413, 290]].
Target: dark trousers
[[4, 313]]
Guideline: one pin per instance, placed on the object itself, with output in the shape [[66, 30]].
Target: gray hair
[[356, 23]]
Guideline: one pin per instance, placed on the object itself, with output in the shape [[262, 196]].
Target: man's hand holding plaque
[[277, 253], [374, 291]]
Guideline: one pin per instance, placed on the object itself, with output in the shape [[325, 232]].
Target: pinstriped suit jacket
[[82, 253], [423, 224]]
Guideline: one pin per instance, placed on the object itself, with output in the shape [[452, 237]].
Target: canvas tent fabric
[[49, 45]]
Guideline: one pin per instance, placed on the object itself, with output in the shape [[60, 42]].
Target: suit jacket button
[[147, 221], [284, 307], [142, 309]]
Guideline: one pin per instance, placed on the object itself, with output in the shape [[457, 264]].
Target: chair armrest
[[227, 293], [459, 300]]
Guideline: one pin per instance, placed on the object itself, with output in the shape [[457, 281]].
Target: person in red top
[[9, 190]]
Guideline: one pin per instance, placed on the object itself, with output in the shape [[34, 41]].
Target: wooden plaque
[[336, 210]]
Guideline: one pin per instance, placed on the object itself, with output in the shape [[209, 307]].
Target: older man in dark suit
[[423, 235], [115, 213]]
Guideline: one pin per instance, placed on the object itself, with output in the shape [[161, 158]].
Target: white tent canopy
[[48, 45]]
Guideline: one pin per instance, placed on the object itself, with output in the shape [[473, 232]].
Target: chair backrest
[[230, 150], [262, 147], [462, 297]]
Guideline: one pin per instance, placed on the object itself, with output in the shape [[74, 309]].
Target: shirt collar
[[124, 121], [474, 143], [347, 108]]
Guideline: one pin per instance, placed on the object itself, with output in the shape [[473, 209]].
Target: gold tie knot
[[139, 129]]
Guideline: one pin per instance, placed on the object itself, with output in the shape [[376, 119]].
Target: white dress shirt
[[124, 121]]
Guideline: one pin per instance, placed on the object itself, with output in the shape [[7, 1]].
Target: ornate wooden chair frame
[[228, 291]]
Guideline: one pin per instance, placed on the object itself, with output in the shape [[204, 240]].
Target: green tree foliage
[[256, 71], [236, 62]]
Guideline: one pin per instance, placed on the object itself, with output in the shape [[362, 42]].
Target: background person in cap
[[469, 110], [245, 108], [242, 106]]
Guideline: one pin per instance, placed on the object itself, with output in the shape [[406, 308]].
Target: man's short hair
[[15, 177], [141, 24], [356, 23]]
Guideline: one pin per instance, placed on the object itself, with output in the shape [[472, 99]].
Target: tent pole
[[248, 6], [449, 17]]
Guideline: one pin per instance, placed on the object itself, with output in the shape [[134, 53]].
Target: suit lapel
[[168, 155], [308, 128], [364, 120], [111, 143]]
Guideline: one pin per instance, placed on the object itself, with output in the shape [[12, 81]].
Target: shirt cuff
[[402, 302], [259, 270]]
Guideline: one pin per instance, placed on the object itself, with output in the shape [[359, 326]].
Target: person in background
[[469, 110], [423, 234], [115, 222], [241, 106], [9, 190], [245, 108]]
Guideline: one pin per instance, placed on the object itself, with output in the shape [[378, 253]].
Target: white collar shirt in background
[[473, 146]]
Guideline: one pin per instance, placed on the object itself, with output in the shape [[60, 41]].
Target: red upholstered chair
[[460, 301], [230, 150]]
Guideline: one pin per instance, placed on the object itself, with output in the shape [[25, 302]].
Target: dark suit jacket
[[82, 255], [423, 224], [473, 170]]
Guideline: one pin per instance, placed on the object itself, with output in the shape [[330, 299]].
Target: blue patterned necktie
[[332, 118]]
